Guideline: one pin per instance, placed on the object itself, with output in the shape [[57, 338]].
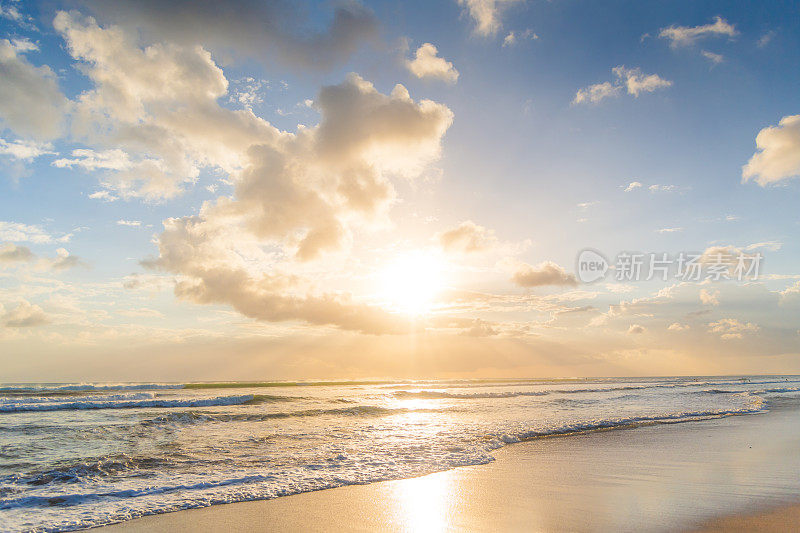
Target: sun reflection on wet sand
[[425, 504]]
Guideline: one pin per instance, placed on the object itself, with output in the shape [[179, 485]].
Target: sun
[[410, 282]]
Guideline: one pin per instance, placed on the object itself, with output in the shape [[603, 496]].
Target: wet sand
[[736, 473]]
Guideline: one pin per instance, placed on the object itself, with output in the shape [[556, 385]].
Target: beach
[[730, 473]]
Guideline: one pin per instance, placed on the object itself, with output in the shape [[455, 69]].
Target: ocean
[[81, 455]]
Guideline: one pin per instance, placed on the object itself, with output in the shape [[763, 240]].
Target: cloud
[[731, 328], [24, 149], [25, 315], [130, 223], [715, 59], [486, 14], [11, 253], [770, 246], [670, 230], [791, 292], [91, 160], [677, 326], [661, 188], [778, 155], [545, 273], [688, 35], [427, 64], [636, 83], [264, 30], [765, 39], [466, 238], [18, 232], [596, 93], [709, 297], [151, 116], [300, 193], [636, 329], [31, 104], [630, 80], [633, 186], [64, 261], [514, 37]]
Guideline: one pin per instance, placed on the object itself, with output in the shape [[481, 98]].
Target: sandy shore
[[718, 475]]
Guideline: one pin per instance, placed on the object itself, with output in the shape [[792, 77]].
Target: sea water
[[81, 455]]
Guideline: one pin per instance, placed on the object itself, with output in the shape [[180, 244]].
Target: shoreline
[[702, 475]]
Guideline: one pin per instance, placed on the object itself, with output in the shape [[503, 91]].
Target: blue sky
[[261, 190]]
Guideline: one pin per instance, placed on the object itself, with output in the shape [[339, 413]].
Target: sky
[[337, 190]]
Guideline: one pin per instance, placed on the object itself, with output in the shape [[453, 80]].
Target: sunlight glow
[[411, 282]]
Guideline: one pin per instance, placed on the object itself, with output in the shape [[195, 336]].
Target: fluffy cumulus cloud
[[427, 64], [545, 273], [630, 80], [688, 35], [31, 103], [467, 237], [24, 315], [486, 14], [151, 118], [299, 194], [262, 29], [778, 155]]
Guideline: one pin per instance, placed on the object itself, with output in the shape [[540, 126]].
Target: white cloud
[[636, 329], [731, 328], [514, 37], [677, 326], [486, 14], [300, 193], [791, 292], [25, 150], [152, 117], [17, 232], [636, 83], [688, 35], [130, 223], [770, 246], [91, 160], [670, 230], [715, 59], [630, 80], [778, 155], [427, 64], [31, 103], [661, 188], [709, 297], [25, 315], [595, 93], [633, 186], [545, 273]]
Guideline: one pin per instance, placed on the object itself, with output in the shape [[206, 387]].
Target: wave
[[758, 391], [437, 395], [84, 387], [20, 407], [361, 410], [629, 423]]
